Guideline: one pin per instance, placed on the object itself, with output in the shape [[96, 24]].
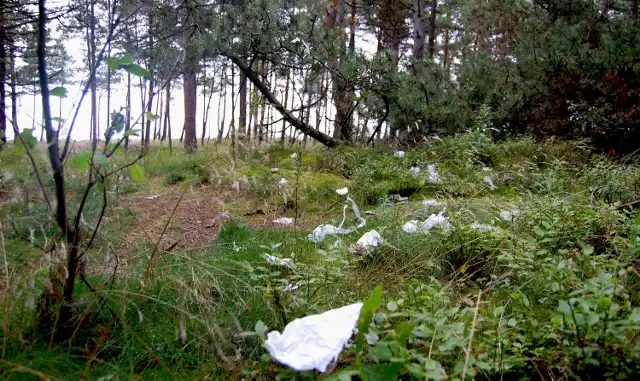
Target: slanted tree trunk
[[286, 100]]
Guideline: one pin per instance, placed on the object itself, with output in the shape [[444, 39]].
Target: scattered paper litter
[[412, 227], [315, 341], [481, 227], [283, 221], [399, 154], [321, 232], [342, 191], [492, 186], [486, 169], [283, 181], [370, 239], [152, 197], [290, 287], [293, 156], [273, 260], [509, 215], [433, 178], [415, 170], [274, 170], [435, 203]]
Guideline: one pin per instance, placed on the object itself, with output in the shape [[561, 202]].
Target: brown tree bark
[[242, 121], [3, 79], [432, 28], [127, 122], [419, 32], [190, 108], [167, 107]]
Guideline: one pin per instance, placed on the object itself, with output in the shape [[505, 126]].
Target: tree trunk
[[3, 79], [297, 123], [262, 104], [286, 99], [127, 122], [418, 32], [108, 71], [352, 30], [242, 122], [224, 103], [157, 124], [334, 19], [232, 124], [167, 107], [432, 28], [190, 107], [445, 59], [634, 10], [14, 94], [94, 88], [207, 108]]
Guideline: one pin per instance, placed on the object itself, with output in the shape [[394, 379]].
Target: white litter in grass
[[152, 197], [293, 156], [356, 211], [412, 227], [492, 186], [283, 221], [436, 220], [435, 203], [433, 178], [275, 170], [321, 232], [342, 191], [283, 181], [370, 239], [315, 341], [481, 227], [273, 260], [370, 212], [486, 169], [509, 215], [415, 170], [290, 287], [399, 154]]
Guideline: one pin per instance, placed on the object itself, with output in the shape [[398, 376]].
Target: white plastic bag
[[509, 215], [436, 220], [283, 181], [415, 170], [435, 203], [399, 154], [412, 227], [492, 186], [370, 239], [285, 221], [433, 178], [273, 260], [481, 227], [342, 191], [315, 341], [321, 232]]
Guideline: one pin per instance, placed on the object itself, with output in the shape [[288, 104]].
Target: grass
[[566, 259]]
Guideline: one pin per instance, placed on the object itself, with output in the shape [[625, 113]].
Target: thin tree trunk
[[207, 108], [224, 103], [242, 122], [352, 30], [94, 87], [3, 79], [445, 60], [418, 32], [262, 103], [286, 100], [167, 107], [14, 94], [232, 127], [157, 124], [190, 108], [127, 122], [108, 125]]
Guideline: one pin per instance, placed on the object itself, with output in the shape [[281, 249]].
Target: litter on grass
[[481, 227], [434, 177], [324, 230], [293, 156], [273, 260], [415, 170], [275, 170], [342, 191], [370, 239], [486, 169], [285, 221], [435, 203], [412, 227], [509, 215], [315, 341], [492, 186], [399, 154], [435, 220], [283, 181]]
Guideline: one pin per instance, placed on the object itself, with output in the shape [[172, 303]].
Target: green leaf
[[261, 328], [592, 318], [100, 159], [136, 70], [366, 315], [113, 63], [343, 375], [151, 116], [59, 91], [58, 119], [131, 133], [29, 139], [136, 172], [382, 372], [81, 162]]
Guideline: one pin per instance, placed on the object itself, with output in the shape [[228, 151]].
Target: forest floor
[[532, 270]]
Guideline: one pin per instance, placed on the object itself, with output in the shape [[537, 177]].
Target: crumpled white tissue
[[370, 239], [342, 191], [436, 220], [273, 260], [274, 170], [486, 169], [399, 154], [509, 215], [433, 178], [415, 170], [412, 227], [283, 181], [293, 156], [481, 227], [315, 341], [321, 232], [492, 186], [435, 203], [283, 221]]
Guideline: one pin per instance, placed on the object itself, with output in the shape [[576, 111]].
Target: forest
[[319, 190]]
